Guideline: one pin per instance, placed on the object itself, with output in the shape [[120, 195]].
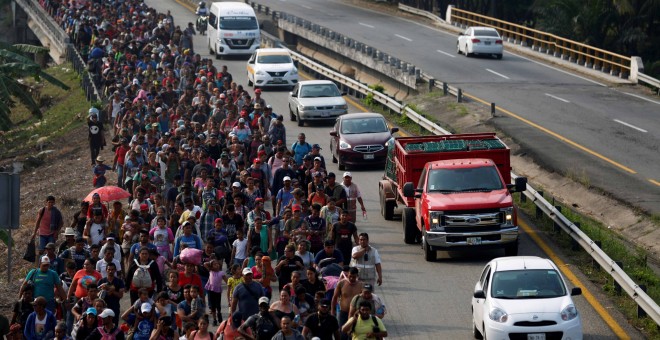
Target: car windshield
[[363, 125], [238, 23], [320, 90], [486, 33], [274, 59], [484, 178], [527, 284]]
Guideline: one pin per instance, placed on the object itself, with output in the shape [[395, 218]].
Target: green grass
[[62, 111], [634, 261]]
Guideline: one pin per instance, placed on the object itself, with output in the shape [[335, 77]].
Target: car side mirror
[[576, 291], [479, 294], [333, 133], [293, 94], [394, 130], [521, 184], [408, 190]]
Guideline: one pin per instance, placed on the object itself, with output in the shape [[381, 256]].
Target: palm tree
[[15, 65]]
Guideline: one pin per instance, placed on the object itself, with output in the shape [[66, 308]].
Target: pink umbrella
[[108, 193]]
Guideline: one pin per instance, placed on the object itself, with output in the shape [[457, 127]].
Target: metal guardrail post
[[492, 109], [575, 246], [555, 225], [617, 286], [459, 96]]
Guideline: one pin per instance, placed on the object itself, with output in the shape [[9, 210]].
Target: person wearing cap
[[87, 322], [328, 255], [48, 225], [95, 135], [367, 294], [40, 324], [109, 329], [322, 324], [119, 160], [247, 296], [316, 152], [108, 257], [56, 263], [242, 131], [261, 323], [99, 170], [300, 148], [335, 190], [145, 322], [259, 176], [70, 233], [284, 195], [44, 282], [353, 196], [367, 259]]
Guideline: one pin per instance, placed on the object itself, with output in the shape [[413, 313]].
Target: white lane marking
[[305, 6], [555, 97], [497, 74], [630, 125], [402, 37], [556, 69], [640, 97], [365, 25], [447, 54]]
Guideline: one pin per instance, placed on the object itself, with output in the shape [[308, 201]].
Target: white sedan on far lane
[[480, 40]]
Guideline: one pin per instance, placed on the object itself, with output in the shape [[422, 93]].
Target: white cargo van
[[233, 29]]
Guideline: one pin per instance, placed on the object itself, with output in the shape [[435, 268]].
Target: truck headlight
[[507, 215], [343, 145], [436, 220], [341, 107], [304, 108]]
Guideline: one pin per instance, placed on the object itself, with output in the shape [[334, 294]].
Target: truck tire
[[410, 230], [429, 255], [386, 207], [511, 249]]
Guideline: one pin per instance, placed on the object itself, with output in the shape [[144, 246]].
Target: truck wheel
[[429, 255], [300, 121], [386, 207], [410, 230], [475, 331], [511, 249]]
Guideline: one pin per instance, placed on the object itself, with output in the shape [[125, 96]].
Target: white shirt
[[101, 265], [241, 248], [97, 233]]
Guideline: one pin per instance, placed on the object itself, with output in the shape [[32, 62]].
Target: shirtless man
[[344, 292]]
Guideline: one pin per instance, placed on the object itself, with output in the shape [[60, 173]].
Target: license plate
[[487, 42], [536, 336], [277, 80], [474, 241], [324, 114], [369, 156]]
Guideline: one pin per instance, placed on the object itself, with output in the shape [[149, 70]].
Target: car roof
[[483, 28], [273, 51], [315, 82], [521, 262], [361, 115]]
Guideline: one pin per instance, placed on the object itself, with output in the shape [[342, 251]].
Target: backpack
[[142, 276], [265, 327], [108, 336]]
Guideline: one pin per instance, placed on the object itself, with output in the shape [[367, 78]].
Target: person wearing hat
[[328, 255], [241, 131], [70, 234], [109, 330], [95, 135], [353, 196], [56, 263], [262, 323], [248, 296], [99, 170], [44, 282], [363, 323], [86, 324], [40, 324], [322, 324], [367, 294], [48, 225], [316, 152]]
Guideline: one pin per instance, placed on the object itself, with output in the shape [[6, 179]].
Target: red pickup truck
[[455, 192]]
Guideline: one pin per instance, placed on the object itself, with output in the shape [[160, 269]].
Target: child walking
[[214, 288]]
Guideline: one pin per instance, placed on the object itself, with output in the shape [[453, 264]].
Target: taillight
[[498, 42], [474, 41]]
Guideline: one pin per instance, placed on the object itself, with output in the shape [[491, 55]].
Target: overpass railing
[[635, 291]]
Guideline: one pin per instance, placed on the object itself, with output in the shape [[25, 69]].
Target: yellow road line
[[604, 314], [654, 182], [556, 135]]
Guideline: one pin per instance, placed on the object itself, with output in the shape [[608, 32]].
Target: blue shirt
[[193, 241], [44, 282]]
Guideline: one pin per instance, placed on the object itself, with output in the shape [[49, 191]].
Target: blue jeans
[[120, 173], [44, 240]]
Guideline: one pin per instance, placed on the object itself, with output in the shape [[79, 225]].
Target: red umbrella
[[108, 193]]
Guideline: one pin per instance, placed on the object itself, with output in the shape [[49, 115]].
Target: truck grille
[[368, 148], [472, 220], [325, 107]]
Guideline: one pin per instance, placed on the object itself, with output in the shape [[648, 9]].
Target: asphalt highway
[[425, 300]]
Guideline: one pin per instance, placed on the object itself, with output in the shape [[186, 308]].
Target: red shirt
[[121, 154], [194, 280], [85, 279]]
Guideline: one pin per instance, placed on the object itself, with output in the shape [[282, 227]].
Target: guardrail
[[636, 292], [573, 51], [421, 12], [655, 83]]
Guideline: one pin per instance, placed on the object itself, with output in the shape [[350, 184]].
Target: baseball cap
[[316, 146], [368, 287], [257, 91], [218, 220], [144, 206], [348, 174], [241, 120], [50, 245], [45, 259], [332, 174], [296, 207], [236, 185], [317, 159], [329, 243], [91, 310], [247, 271], [307, 157], [318, 174], [286, 178], [264, 299], [146, 307], [257, 106], [107, 313], [324, 303]]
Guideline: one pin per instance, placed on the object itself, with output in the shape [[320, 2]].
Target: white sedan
[[480, 40], [271, 67], [524, 297]]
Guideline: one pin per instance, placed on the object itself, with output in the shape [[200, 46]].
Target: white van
[[233, 29]]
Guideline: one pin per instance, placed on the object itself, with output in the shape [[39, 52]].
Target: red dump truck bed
[[410, 154]]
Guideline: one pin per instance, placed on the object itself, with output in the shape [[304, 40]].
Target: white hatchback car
[[271, 67], [316, 100], [524, 297], [480, 40]]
